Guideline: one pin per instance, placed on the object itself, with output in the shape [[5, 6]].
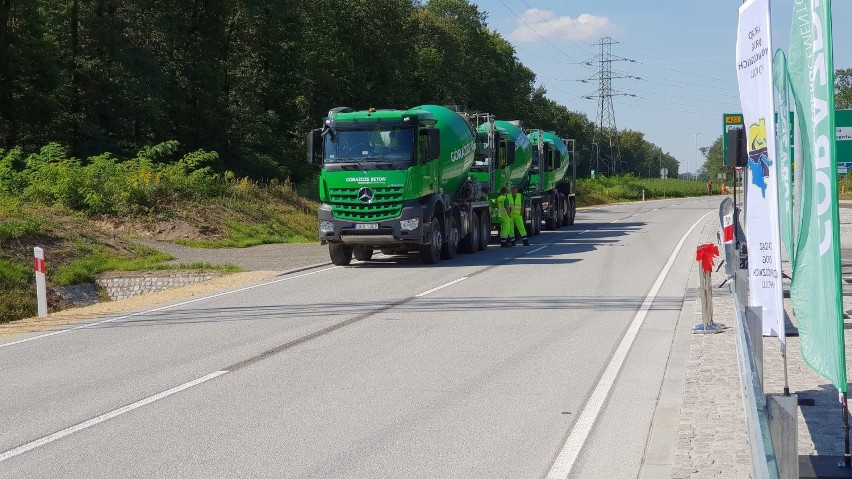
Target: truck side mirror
[[434, 144], [314, 142], [510, 152]]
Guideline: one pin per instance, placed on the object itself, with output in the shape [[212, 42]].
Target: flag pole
[[844, 413], [786, 382]]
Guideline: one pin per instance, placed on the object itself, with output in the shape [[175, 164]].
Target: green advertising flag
[[782, 153], [816, 289]]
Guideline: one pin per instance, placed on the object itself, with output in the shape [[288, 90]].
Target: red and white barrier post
[[41, 285]]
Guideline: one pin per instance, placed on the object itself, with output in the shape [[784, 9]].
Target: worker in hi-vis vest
[[517, 201], [504, 216]]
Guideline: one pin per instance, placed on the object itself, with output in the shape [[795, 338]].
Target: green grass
[[86, 268], [16, 229], [630, 188], [241, 235], [17, 294]]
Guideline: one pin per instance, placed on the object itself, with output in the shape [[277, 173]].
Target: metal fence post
[[704, 256]]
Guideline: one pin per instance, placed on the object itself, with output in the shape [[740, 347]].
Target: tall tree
[[843, 88]]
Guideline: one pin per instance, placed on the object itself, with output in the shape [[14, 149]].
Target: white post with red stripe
[[728, 229], [41, 285]]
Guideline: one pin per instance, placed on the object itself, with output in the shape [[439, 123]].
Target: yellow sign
[[733, 119]]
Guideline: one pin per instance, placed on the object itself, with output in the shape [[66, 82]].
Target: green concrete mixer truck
[[497, 136], [400, 181], [551, 188]]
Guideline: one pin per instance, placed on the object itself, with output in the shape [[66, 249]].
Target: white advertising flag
[[763, 236]]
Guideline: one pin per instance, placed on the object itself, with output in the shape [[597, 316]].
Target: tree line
[[247, 78]]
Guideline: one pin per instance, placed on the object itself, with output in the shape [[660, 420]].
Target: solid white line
[[584, 232], [424, 293], [203, 298], [104, 417], [535, 250], [568, 455]]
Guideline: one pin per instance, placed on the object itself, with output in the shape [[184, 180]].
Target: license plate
[[366, 226]]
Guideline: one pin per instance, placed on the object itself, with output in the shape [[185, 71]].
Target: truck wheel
[[471, 241], [560, 212], [363, 254], [484, 230], [538, 216], [572, 211], [548, 221], [431, 253], [451, 245], [340, 254]]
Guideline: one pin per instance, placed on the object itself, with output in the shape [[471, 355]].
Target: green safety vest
[[501, 206], [517, 201]]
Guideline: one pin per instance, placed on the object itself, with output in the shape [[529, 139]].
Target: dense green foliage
[[246, 79], [105, 185], [843, 88], [629, 188]]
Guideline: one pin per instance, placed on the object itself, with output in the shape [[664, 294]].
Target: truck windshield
[[380, 144]]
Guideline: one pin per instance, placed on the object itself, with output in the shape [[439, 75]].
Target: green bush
[[19, 299], [107, 185], [630, 188]]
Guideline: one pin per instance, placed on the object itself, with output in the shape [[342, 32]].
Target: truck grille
[[386, 204]]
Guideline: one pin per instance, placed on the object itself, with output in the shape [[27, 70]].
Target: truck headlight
[[326, 227], [409, 225]]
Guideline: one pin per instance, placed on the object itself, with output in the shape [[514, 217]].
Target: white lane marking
[[568, 455], [89, 325], [535, 250], [104, 417], [424, 293], [637, 214], [584, 232], [615, 221]]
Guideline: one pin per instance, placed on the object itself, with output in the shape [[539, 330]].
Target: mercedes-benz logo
[[365, 195]]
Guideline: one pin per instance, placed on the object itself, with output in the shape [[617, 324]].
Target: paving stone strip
[[711, 441]]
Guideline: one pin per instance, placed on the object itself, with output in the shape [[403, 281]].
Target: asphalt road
[[490, 365]]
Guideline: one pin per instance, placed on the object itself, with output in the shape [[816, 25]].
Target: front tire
[[538, 216], [340, 254], [560, 212], [451, 245], [485, 230], [471, 241], [431, 253]]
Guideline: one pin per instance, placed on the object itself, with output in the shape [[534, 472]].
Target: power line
[[556, 29], [675, 110], [693, 74], [536, 32], [545, 58], [726, 103], [577, 12]]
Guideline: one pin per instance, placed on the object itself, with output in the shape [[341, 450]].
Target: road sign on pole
[[730, 121]]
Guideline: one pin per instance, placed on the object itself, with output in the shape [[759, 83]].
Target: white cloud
[[536, 23]]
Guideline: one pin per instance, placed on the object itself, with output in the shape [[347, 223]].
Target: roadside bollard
[[705, 255], [41, 286]]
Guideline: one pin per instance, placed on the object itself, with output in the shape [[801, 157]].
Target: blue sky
[[683, 51]]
